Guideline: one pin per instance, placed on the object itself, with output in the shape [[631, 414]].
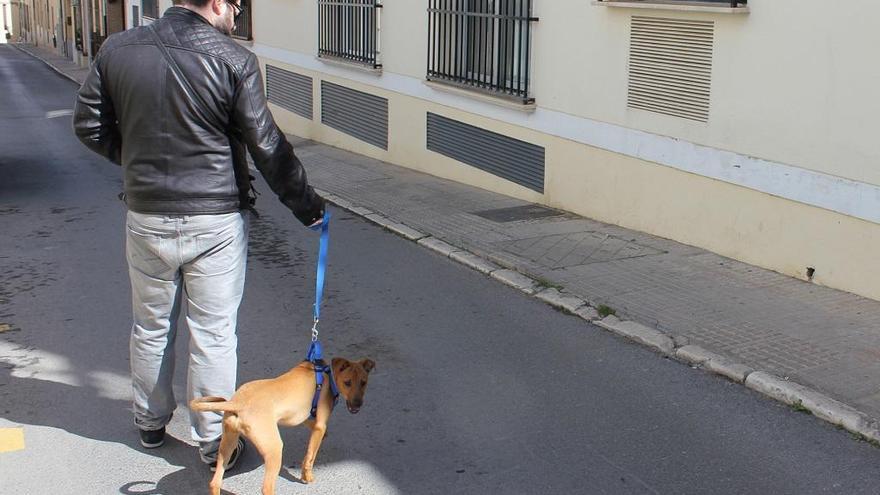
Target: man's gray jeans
[[199, 260]]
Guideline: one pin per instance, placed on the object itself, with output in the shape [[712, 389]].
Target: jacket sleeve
[[94, 118], [272, 153]]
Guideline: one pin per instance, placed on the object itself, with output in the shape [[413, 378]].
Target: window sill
[[680, 6], [476, 94], [349, 64]]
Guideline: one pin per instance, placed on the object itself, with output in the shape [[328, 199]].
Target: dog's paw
[[307, 476]]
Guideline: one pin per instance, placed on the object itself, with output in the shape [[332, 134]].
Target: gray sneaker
[[211, 459]]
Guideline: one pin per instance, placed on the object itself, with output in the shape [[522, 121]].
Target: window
[[243, 24], [151, 8], [481, 44], [349, 30]]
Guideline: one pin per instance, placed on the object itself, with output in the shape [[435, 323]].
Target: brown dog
[[258, 407]]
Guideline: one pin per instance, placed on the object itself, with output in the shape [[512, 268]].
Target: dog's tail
[[213, 404]]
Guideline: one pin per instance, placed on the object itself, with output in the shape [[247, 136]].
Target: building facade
[[74, 28], [744, 129]]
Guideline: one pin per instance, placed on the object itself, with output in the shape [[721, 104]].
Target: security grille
[[243, 25], [349, 30], [517, 161], [481, 44], [355, 113], [289, 90], [670, 66]]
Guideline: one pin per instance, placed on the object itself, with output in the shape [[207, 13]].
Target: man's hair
[[194, 3]]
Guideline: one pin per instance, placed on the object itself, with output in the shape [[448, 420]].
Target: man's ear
[[368, 365], [217, 6]]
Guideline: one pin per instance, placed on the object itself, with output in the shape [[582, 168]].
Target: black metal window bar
[[243, 24], [481, 44], [349, 30]]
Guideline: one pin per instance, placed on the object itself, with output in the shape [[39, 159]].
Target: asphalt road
[[478, 388]]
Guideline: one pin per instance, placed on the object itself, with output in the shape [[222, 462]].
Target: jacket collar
[[185, 13]]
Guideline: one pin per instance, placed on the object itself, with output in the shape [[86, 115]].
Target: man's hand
[[317, 225]]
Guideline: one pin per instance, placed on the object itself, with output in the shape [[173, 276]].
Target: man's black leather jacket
[[178, 156]]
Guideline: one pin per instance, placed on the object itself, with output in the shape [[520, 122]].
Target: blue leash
[[315, 354]]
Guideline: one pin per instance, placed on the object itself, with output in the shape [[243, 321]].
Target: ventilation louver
[[670, 66]]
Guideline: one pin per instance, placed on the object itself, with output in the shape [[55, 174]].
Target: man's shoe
[[211, 459], [151, 439]]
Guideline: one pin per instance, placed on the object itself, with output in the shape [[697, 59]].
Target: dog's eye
[[347, 383], [363, 384]]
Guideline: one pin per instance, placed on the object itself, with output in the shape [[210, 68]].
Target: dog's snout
[[354, 405]]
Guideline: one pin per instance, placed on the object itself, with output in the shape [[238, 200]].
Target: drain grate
[[518, 213]]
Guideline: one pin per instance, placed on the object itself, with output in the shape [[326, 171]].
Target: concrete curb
[[771, 386], [474, 262], [640, 333], [48, 64], [562, 301], [516, 280], [817, 403], [588, 313], [438, 246], [715, 363]]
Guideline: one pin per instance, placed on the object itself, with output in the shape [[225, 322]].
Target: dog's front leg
[[318, 430]]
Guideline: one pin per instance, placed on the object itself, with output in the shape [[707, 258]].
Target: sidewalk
[[794, 341], [60, 64]]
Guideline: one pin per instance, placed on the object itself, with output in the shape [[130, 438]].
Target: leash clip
[[315, 331]]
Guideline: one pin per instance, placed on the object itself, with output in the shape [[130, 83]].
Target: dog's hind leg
[[227, 444], [267, 440]]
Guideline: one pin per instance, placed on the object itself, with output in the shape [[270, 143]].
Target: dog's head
[[351, 380]]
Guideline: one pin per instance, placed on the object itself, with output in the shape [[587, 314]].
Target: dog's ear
[[368, 365], [339, 364]]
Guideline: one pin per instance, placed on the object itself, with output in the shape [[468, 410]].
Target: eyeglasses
[[237, 8]]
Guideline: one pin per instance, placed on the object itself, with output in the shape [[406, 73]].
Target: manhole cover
[[518, 213]]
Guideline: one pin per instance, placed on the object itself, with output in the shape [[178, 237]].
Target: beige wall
[[790, 86], [789, 81]]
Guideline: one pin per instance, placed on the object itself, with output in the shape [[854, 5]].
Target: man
[[173, 103]]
